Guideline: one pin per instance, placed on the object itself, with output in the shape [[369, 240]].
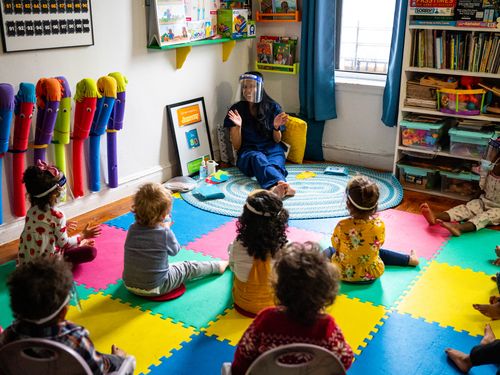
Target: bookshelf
[[412, 70]]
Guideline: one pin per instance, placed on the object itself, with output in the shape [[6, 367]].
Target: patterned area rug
[[319, 196]]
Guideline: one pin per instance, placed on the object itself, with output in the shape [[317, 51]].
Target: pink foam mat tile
[[216, 242], [405, 231], [107, 267]]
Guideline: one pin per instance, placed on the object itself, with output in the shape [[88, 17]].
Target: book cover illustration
[[172, 22], [281, 52], [265, 52], [192, 138], [284, 6], [266, 6], [433, 3]]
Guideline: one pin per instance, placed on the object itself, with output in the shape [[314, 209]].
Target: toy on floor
[[107, 87], [114, 125], [340, 171], [180, 183], [25, 104], [86, 101], [306, 174], [218, 177], [6, 111], [48, 97]]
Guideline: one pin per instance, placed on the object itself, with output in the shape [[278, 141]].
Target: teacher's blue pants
[[268, 166]]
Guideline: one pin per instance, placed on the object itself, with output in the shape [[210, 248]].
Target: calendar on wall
[[41, 24]]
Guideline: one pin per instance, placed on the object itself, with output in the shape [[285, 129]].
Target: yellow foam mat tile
[[444, 294], [146, 336], [229, 326], [356, 319]]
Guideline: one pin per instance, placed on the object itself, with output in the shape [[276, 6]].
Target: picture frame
[[189, 125], [35, 25]]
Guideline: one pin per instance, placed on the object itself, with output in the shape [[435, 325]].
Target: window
[[364, 32]]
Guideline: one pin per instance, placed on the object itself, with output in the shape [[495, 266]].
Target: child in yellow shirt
[[357, 241]]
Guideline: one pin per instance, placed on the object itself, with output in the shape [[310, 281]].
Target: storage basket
[[461, 102]]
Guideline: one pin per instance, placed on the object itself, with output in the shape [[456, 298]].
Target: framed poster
[[188, 121], [42, 24]]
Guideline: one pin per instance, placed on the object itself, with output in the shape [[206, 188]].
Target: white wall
[[145, 149]]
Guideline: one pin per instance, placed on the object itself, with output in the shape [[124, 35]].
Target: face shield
[[251, 88]]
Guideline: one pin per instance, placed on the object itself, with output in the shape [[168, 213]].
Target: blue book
[[342, 171]]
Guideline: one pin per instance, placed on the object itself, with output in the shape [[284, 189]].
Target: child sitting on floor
[[357, 241], [261, 232], [150, 242], [306, 284], [475, 214], [46, 230], [40, 292]]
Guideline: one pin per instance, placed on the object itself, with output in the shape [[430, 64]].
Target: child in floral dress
[[357, 240]]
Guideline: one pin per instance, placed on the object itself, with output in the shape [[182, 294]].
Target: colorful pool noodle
[[48, 96], [86, 101], [6, 110], [107, 87], [25, 105], [115, 123], [62, 126]]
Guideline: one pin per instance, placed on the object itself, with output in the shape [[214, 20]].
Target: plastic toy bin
[[421, 135], [463, 184], [417, 177], [460, 102], [468, 143]]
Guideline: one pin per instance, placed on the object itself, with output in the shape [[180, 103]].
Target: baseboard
[[128, 186], [358, 157]]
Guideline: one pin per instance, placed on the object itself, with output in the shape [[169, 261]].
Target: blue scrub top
[[251, 139]]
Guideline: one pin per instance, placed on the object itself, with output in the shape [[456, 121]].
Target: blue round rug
[[317, 197]]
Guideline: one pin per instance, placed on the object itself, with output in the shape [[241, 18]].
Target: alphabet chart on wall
[[41, 24]]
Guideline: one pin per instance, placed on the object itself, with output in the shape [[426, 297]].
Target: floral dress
[[357, 243]]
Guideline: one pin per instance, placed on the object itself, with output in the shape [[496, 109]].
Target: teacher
[[255, 125]]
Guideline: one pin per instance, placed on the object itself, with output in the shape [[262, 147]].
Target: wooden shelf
[[438, 113], [451, 72], [278, 17], [437, 153], [182, 50], [455, 28], [277, 68], [439, 193]]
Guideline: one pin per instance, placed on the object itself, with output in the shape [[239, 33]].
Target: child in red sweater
[[306, 283]]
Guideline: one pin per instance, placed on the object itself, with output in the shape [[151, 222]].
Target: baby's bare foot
[[426, 212], [413, 259], [223, 265], [490, 310], [460, 359], [452, 228]]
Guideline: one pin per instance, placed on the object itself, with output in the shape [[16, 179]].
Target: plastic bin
[[421, 135], [461, 102], [418, 177], [463, 184], [469, 143]]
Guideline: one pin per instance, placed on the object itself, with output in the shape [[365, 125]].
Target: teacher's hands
[[280, 119], [235, 117]]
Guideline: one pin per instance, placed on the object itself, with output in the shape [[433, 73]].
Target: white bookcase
[[409, 72]]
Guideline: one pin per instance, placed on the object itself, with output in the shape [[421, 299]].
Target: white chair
[[316, 361], [45, 357]]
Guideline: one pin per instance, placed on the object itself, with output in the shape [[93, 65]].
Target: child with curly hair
[[40, 292], [45, 231], [261, 232], [150, 242], [357, 241], [306, 284]]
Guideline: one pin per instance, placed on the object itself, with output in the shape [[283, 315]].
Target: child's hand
[[496, 262], [71, 225], [117, 351], [87, 242], [235, 117], [91, 232], [280, 119]]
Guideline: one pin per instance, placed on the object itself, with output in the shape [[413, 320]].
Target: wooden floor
[[410, 203]]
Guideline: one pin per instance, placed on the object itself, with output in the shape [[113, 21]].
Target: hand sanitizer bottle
[[203, 170]]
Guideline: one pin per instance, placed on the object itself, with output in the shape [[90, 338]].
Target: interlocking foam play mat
[[401, 324], [319, 195]]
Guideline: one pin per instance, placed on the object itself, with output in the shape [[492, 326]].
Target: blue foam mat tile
[[6, 317], [325, 226], [190, 222], [201, 355], [404, 345]]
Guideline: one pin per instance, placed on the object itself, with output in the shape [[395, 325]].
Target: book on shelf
[[284, 6], [417, 102], [432, 11], [469, 10], [433, 3], [422, 118], [474, 125], [167, 22], [266, 6], [469, 23], [265, 52], [433, 22], [281, 53]]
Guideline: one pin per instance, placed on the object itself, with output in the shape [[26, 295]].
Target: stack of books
[[278, 50]]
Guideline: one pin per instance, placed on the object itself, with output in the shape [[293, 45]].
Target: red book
[[433, 3]]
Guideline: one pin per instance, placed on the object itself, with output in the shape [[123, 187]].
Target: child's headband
[[257, 212], [61, 181], [51, 316], [359, 207]]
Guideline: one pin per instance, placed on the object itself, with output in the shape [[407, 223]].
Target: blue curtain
[[391, 91], [317, 60]]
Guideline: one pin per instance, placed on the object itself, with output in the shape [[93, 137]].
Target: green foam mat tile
[[6, 316], [387, 289], [473, 250]]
